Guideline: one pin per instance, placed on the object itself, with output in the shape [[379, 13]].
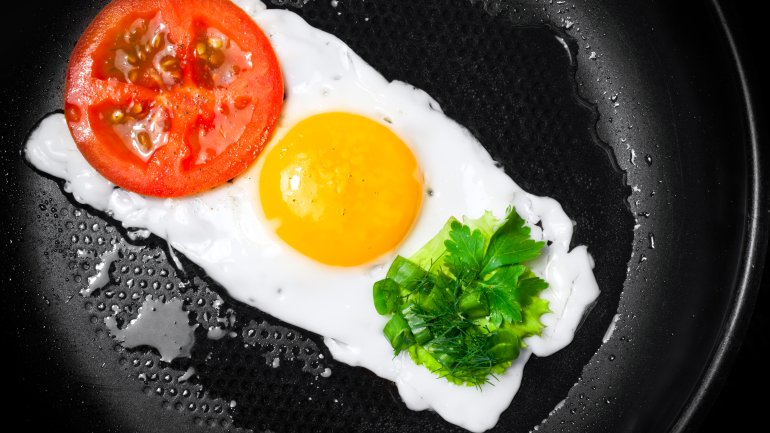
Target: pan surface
[[635, 120]]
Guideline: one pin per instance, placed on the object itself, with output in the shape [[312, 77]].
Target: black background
[[736, 406]]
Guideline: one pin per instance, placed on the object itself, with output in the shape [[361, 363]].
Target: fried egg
[[305, 232]]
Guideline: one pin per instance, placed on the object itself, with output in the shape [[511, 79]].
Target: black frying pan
[[643, 120]]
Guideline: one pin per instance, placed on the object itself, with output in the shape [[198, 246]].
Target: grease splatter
[[102, 276], [162, 325]]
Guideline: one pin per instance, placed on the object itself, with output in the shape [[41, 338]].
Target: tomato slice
[[172, 97]]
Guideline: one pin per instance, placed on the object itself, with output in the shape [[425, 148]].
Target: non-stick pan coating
[[632, 118]]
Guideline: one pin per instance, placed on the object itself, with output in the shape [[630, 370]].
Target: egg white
[[224, 232]]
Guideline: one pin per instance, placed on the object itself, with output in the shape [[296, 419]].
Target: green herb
[[463, 304]]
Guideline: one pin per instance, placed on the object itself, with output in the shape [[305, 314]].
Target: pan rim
[[752, 264], [753, 250]]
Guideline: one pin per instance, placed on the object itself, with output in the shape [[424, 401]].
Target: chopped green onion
[[473, 305], [398, 333], [386, 296]]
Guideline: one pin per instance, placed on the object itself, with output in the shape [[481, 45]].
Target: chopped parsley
[[462, 305]]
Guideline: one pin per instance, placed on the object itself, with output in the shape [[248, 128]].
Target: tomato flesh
[[172, 97]]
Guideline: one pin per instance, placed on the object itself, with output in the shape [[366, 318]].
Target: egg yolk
[[341, 188]]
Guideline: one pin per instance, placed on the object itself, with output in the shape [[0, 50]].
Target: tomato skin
[[175, 167]]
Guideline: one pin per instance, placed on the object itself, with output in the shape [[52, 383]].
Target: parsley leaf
[[465, 251], [510, 244], [501, 289], [530, 285]]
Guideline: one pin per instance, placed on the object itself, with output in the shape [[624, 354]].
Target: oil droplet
[[162, 325], [102, 276], [610, 329], [187, 375], [216, 333]]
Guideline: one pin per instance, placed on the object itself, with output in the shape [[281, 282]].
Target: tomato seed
[[144, 141], [157, 40], [215, 43], [132, 59], [200, 49], [216, 59], [117, 116], [169, 63]]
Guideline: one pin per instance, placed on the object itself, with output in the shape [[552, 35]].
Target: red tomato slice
[[172, 97]]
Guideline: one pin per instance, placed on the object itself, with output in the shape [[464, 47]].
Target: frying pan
[[637, 121]]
